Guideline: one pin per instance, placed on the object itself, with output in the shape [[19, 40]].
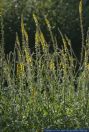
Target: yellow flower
[[27, 56], [37, 40], [43, 41], [52, 65], [20, 69], [39, 37], [48, 23], [35, 19], [24, 33], [81, 6], [40, 40]]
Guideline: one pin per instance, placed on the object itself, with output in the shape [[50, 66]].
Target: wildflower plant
[[39, 92]]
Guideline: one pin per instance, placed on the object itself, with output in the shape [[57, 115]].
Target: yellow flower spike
[[40, 40], [27, 56], [48, 23], [39, 37], [20, 69], [52, 65], [81, 6], [37, 40], [22, 24], [35, 19], [24, 33], [43, 41]]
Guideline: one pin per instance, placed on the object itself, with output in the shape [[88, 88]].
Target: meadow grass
[[39, 92]]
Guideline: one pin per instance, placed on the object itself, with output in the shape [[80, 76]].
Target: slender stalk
[[82, 28]]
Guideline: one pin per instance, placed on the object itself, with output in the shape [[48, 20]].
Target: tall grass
[[39, 92]]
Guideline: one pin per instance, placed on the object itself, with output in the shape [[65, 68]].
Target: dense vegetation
[[42, 89]]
